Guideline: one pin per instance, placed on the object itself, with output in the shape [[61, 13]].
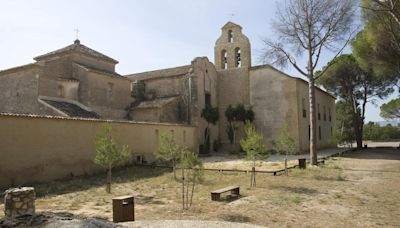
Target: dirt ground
[[360, 189]]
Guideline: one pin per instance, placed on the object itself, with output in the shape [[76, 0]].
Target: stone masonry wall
[[19, 201]]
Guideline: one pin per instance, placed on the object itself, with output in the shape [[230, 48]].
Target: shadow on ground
[[79, 183], [375, 153]]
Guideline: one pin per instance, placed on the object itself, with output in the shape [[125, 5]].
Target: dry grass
[[247, 165], [329, 196]]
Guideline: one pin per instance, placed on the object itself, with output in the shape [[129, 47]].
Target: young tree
[[169, 150], [356, 87], [343, 133], [254, 146], [192, 170], [311, 27], [211, 115], [108, 155], [391, 110], [285, 144]]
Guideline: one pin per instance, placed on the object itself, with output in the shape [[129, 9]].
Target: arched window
[[224, 60], [238, 59], [230, 36]]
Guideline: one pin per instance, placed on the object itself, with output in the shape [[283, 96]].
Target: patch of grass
[[297, 199], [235, 218]]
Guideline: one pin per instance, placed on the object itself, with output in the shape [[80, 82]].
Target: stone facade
[[75, 74], [19, 201], [276, 98], [87, 81]]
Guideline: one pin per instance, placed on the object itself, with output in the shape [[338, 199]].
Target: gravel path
[[186, 223], [221, 157]]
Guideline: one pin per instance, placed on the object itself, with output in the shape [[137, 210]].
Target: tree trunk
[[187, 188], [286, 170], [183, 189], [194, 182], [313, 121], [356, 122], [174, 168], [234, 137], [108, 187]]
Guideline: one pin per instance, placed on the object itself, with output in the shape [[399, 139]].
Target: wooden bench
[[216, 194]]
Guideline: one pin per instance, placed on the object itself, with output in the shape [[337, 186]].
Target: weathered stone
[[19, 201], [18, 205]]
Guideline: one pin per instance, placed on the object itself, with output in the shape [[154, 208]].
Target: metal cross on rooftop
[[77, 33], [231, 16]]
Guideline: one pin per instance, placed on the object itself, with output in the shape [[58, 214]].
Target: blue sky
[[142, 35]]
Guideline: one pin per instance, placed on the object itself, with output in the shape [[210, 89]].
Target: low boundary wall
[[43, 148]]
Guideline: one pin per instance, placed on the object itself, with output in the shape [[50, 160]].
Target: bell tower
[[232, 49]]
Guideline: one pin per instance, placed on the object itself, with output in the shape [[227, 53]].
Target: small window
[[303, 106], [319, 133], [238, 58], [319, 113], [324, 113], [230, 36], [224, 60], [61, 91], [330, 117], [110, 90]]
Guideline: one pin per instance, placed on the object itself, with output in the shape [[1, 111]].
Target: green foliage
[[169, 150], [356, 87], [108, 155], [373, 131], [343, 132], [377, 47], [284, 143], [192, 173], [391, 110], [253, 143], [210, 114], [234, 115]]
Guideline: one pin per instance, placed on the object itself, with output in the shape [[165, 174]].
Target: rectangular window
[[319, 132], [207, 100], [319, 113], [303, 106], [330, 117], [324, 113]]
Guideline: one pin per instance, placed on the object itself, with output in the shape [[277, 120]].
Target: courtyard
[[359, 189]]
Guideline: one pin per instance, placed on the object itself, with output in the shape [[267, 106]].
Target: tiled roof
[[72, 110], [101, 71], [91, 119], [23, 67], [162, 73], [78, 47], [156, 103]]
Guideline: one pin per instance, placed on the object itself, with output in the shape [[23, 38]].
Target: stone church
[[79, 82]]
